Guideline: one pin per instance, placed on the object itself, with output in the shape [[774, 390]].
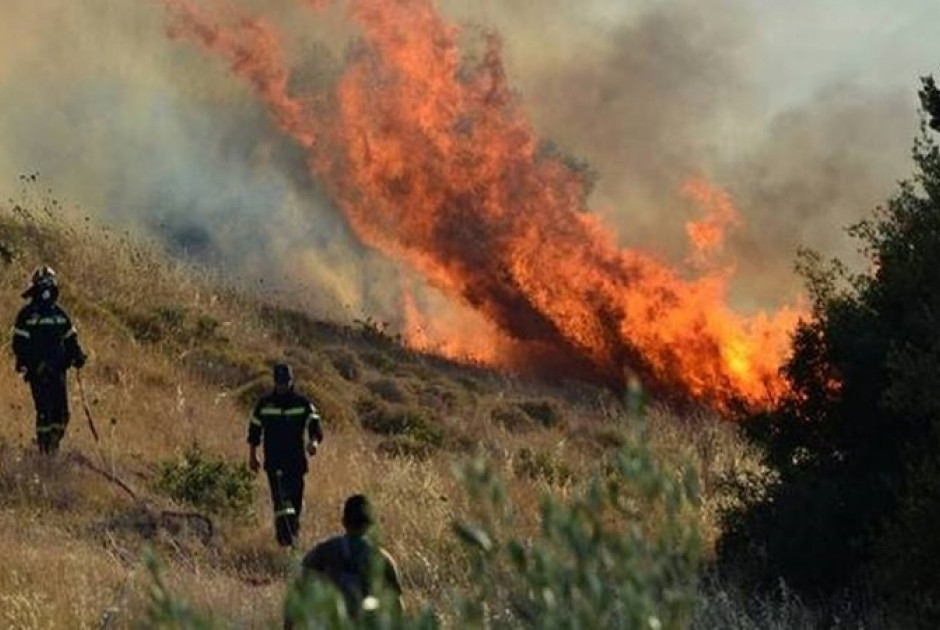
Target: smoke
[[640, 96], [813, 171], [655, 92], [146, 133]]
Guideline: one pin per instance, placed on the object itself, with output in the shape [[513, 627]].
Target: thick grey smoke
[[800, 112], [147, 132], [813, 171]]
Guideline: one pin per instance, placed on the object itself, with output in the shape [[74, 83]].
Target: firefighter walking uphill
[[45, 344], [289, 426]]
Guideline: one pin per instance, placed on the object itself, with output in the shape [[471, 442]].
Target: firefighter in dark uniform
[[284, 420], [363, 571], [45, 345]]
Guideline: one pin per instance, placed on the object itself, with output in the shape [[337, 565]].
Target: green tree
[[622, 552], [854, 447]]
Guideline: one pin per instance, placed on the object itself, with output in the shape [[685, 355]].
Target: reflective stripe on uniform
[[278, 411], [313, 417], [254, 421], [44, 429], [71, 333], [288, 511], [19, 332], [51, 321]]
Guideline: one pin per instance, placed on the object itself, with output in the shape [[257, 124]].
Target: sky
[[804, 111], [807, 44]]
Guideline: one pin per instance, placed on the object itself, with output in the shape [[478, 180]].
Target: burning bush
[[431, 158]]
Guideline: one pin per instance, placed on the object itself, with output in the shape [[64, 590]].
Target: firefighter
[[282, 420], [45, 344], [363, 571]]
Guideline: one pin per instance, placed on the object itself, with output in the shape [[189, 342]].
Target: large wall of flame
[[151, 134]]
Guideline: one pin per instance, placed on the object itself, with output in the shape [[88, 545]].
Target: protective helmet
[[44, 277], [43, 285], [282, 373]]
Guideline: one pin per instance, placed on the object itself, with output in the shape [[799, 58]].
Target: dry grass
[[177, 359]]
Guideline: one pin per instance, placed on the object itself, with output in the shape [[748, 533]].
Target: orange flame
[[457, 336], [435, 163], [707, 236]]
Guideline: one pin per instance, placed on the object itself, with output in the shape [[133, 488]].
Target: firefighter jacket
[[357, 567], [280, 421], [45, 340]]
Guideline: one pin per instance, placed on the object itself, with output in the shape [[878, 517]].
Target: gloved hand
[[23, 370], [312, 447], [79, 360]]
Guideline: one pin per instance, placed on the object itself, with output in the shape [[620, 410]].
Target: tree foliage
[[854, 446]]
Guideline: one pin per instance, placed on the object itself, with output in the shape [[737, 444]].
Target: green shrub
[[174, 324], [334, 410], [511, 418], [379, 360], [206, 482], [377, 332], [544, 412], [595, 563], [592, 564], [472, 385], [541, 466], [205, 327], [391, 420], [297, 328], [404, 446], [346, 363], [854, 446], [389, 390], [606, 438], [899, 570], [443, 396], [155, 325]]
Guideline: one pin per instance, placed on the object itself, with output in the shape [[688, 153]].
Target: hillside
[[177, 359]]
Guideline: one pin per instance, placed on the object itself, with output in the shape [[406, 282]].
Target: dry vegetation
[[177, 359]]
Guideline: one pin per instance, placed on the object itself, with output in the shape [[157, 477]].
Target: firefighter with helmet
[[45, 344], [289, 426]]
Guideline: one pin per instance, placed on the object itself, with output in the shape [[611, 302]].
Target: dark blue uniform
[[281, 422], [46, 345]]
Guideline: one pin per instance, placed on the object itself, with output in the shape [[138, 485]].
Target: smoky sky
[[804, 112], [146, 132]]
